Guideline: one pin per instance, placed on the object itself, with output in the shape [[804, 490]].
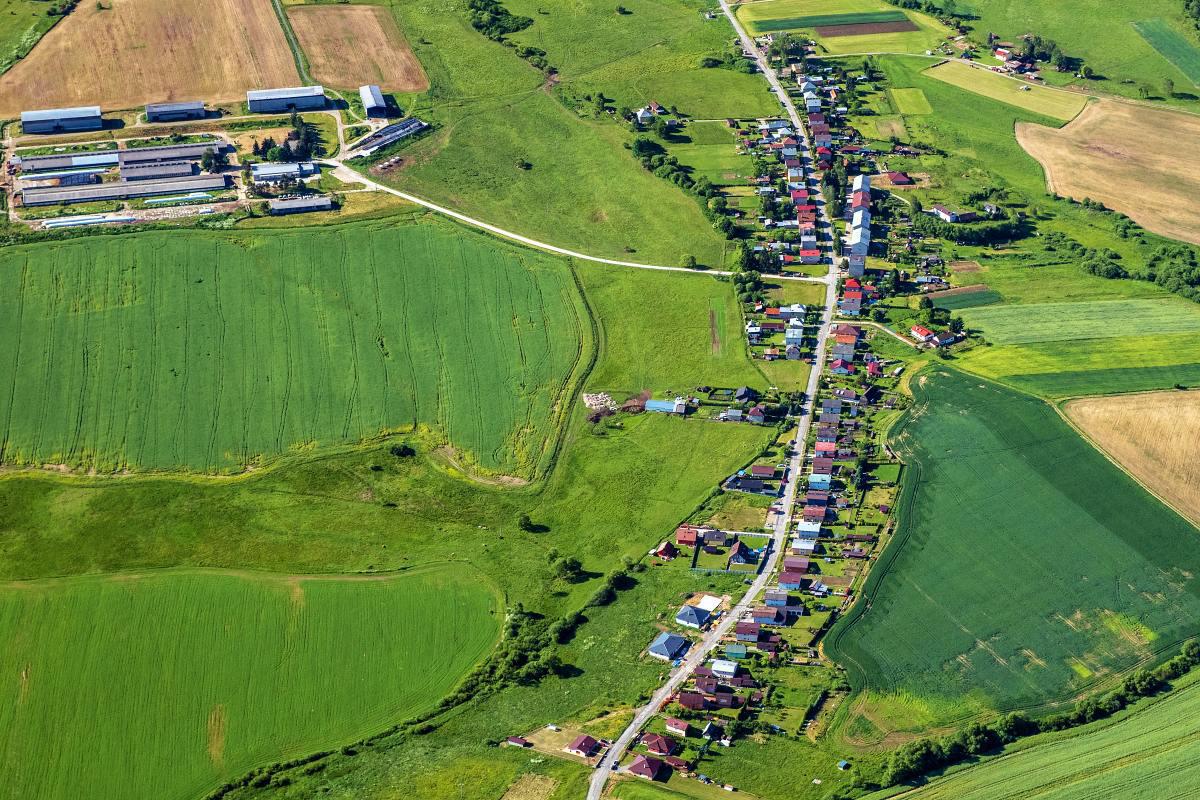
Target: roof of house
[[668, 645], [583, 744], [690, 615], [678, 724], [762, 470], [791, 578], [658, 743], [646, 767]]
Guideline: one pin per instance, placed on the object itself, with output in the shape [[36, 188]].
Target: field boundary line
[[293, 43]]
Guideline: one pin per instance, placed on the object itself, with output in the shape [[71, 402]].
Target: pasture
[[1153, 436], [1049, 102], [1111, 144], [1099, 319], [910, 101], [1150, 752], [1171, 45], [212, 352], [139, 51], [1107, 42], [708, 149], [165, 685], [1095, 570], [351, 45]]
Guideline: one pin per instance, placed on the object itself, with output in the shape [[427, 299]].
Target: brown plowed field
[[349, 46], [865, 28], [1153, 436], [1130, 157], [142, 51]]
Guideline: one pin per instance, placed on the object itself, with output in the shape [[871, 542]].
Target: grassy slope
[[209, 351], [978, 135], [1081, 553], [110, 693], [1107, 42], [25, 21], [1149, 753], [584, 190]]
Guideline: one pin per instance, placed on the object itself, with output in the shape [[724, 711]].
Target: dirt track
[[1129, 157], [141, 51]]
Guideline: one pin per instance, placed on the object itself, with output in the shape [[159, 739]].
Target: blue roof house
[[668, 646], [692, 617]]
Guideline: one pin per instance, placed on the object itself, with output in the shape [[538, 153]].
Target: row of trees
[[915, 759], [993, 231], [654, 157]]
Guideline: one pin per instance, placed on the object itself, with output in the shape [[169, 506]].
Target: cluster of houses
[[662, 750], [856, 297], [926, 336], [777, 138], [846, 354], [858, 230], [1014, 62], [786, 320]]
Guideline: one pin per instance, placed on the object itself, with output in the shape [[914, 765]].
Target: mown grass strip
[[1171, 45], [828, 20]]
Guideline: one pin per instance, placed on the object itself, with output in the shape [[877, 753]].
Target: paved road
[[701, 650]]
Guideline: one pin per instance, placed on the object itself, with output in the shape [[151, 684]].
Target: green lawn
[[212, 351], [213, 673], [1149, 753], [1002, 498], [909, 101], [25, 22], [709, 149]]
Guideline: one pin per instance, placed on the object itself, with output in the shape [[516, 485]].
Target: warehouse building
[[299, 205], [373, 103], [277, 101], [389, 135], [167, 152], [62, 120], [98, 160], [269, 172], [121, 190], [174, 112], [153, 170]]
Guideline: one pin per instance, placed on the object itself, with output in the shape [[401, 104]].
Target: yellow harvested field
[[1153, 436], [1130, 157], [349, 46], [1055, 103], [142, 51]]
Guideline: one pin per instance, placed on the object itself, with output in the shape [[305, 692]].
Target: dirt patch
[[714, 334], [140, 51], [216, 735], [1113, 146], [531, 787], [352, 45], [965, 266], [447, 454], [1152, 436], [974, 288], [866, 28]]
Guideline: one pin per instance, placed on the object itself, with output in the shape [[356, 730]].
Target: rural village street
[[700, 651]]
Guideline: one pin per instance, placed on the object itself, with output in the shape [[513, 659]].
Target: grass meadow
[[26, 21], [1099, 319], [166, 685], [1038, 99], [213, 351], [778, 15], [1148, 753], [1173, 45], [1003, 499]]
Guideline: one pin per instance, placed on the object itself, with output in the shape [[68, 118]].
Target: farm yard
[[1149, 752], [1153, 436], [139, 51], [165, 685], [1093, 567], [1049, 102], [212, 352], [1112, 143], [349, 45]]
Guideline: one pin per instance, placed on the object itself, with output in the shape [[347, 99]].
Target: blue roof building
[[692, 617], [668, 646]]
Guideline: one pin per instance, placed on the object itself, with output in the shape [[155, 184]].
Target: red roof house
[[686, 535], [646, 767], [583, 746], [658, 744]]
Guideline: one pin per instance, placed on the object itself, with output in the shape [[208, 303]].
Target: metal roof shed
[[372, 99]]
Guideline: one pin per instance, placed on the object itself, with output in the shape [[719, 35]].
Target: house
[[746, 632], [808, 530], [679, 727], [686, 535], [794, 311], [768, 615], [855, 552], [861, 183], [899, 179], [846, 395], [646, 767], [844, 351], [944, 339], [732, 415], [816, 498], [741, 554], [795, 564], [714, 537], [850, 306], [793, 335], [644, 116], [861, 218], [842, 367], [517, 741], [860, 200], [790, 581], [712, 731], [677, 763], [771, 354], [858, 243], [792, 352], [946, 215], [659, 744], [583, 746], [668, 646], [693, 701], [921, 333], [724, 669], [736, 651], [762, 471], [777, 598], [676, 406], [666, 550], [814, 513], [744, 394], [757, 414], [800, 546], [820, 480], [692, 617]]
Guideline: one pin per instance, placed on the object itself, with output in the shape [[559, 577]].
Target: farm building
[[168, 152], [153, 171], [299, 205], [667, 646], [121, 190], [389, 135], [372, 99], [62, 120], [676, 406], [99, 160], [273, 173], [174, 112], [276, 101]]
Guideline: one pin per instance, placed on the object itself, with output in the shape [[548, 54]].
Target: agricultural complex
[[506, 400]]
